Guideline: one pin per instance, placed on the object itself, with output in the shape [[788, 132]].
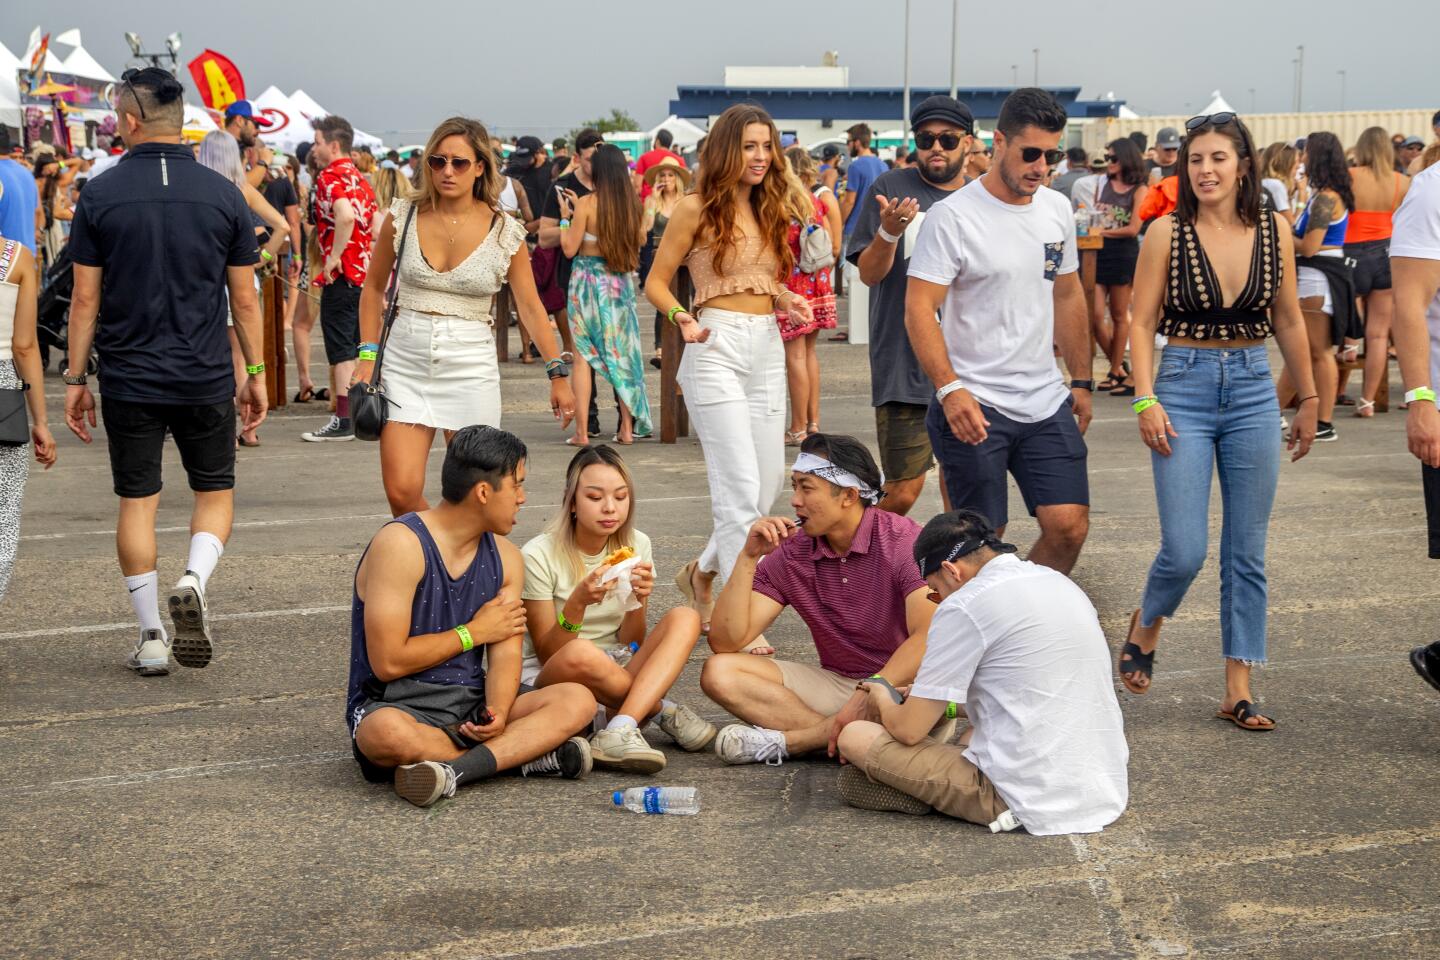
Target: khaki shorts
[[903, 440], [819, 689], [936, 773]]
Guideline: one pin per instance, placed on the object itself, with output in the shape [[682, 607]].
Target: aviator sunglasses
[[438, 163]]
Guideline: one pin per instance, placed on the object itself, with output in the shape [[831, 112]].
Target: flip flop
[[304, 395], [1135, 660], [247, 443], [684, 580], [323, 394], [1242, 711], [1419, 661]]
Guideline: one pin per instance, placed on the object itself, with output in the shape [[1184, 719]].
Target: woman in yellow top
[[585, 629]]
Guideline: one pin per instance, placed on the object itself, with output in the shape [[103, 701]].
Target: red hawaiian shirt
[[342, 179]]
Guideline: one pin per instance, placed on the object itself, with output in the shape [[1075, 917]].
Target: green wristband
[[952, 710], [467, 642], [566, 625], [670, 314], [367, 356], [254, 369], [1141, 404]]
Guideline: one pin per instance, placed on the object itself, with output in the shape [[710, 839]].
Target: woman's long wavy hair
[[487, 182], [772, 201], [1374, 150], [562, 526], [1247, 189], [1278, 163], [617, 209], [1325, 167]]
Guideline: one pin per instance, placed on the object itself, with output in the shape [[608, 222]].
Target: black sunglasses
[[1210, 120], [126, 77], [438, 162], [926, 140], [1031, 154], [1111, 158]]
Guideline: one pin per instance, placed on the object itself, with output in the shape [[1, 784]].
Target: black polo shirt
[[163, 229]]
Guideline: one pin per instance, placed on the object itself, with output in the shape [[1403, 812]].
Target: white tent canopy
[[686, 134], [292, 125], [310, 109], [9, 88], [1217, 104], [80, 63]]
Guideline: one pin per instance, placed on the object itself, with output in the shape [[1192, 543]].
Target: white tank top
[[9, 298]]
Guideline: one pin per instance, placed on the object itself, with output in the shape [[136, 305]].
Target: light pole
[[1252, 99], [954, 46], [1037, 66], [1014, 74], [1342, 90], [905, 107], [172, 48], [1299, 78]]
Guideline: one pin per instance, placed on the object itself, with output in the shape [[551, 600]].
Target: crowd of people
[[472, 656]]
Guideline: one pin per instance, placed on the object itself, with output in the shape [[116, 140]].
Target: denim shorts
[[1047, 459]]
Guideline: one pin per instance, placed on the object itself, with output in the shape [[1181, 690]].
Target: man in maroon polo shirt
[[849, 571]]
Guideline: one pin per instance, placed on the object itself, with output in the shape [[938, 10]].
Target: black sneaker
[[1426, 661], [336, 430], [1325, 432], [570, 760]]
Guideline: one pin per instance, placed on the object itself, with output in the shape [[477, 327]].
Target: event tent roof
[[292, 124], [1217, 104], [79, 62], [310, 109], [9, 88], [686, 134]]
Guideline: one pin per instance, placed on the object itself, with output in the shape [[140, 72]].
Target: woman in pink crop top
[[732, 234]]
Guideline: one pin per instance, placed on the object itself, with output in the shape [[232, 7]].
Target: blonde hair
[[1431, 154], [365, 162], [389, 186], [804, 166], [561, 528], [1278, 163], [487, 183], [1374, 150]]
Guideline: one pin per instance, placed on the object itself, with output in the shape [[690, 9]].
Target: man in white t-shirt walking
[[997, 262], [1019, 648], [1415, 269]]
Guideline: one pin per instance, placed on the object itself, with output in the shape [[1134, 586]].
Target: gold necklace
[[450, 237]]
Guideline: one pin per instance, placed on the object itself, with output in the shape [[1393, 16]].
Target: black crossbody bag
[[369, 407], [14, 416]]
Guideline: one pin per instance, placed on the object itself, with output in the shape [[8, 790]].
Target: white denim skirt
[[441, 371]]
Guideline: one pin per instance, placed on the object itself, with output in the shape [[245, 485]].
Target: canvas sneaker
[[336, 430], [741, 743], [151, 656], [193, 644], [624, 748], [688, 729], [571, 760], [425, 782], [859, 790]]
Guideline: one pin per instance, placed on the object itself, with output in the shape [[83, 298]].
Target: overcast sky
[[397, 67]]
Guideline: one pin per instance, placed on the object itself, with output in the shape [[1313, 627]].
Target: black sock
[[477, 763]]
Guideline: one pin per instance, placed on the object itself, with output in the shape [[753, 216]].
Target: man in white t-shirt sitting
[[997, 261], [1415, 267], [1018, 647]]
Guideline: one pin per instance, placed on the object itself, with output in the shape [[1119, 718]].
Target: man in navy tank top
[[435, 591]]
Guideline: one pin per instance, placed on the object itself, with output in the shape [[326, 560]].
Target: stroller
[[53, 311]]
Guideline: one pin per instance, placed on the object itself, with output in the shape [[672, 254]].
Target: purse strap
[[7, 258], [392, 299]]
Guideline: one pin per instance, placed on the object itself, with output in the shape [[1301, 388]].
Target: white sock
[[205, 551], [667, 705], [620, 722], [144, 588]]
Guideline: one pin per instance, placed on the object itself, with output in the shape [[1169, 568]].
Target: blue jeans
[[1222, 403]]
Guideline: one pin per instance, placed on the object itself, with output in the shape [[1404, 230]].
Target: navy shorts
[[340, 320], [1046, 458]]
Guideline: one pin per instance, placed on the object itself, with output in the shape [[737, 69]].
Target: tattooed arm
[[1323, 211]]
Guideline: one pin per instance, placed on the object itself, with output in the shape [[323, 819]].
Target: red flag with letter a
[[220, 84]]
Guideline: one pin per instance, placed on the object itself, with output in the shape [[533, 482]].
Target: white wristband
[[948, 389], [887, 237]]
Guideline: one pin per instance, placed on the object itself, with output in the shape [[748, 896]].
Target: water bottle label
[[652, 800]]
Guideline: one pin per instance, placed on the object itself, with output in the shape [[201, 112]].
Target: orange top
[[1373, 224], [750, 268]]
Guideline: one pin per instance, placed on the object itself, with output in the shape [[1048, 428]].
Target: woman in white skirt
[[733, 234], [440, 369]]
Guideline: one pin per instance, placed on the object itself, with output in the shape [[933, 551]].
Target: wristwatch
[[72, 380], [561, 369], [1083, 385]]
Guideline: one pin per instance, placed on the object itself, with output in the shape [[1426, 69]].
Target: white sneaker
[[193, 646], [625, 748], [689, 730], [425, 782], [151, 656], [741, 743]]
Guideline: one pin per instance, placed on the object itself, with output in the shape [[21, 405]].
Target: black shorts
[[1372, 265], [135, 432], [1430, 477], [1046, 458], [1115, 262], [445, 706], [340, 320]]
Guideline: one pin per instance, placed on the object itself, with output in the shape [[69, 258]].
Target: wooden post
[[272, 325], [673, 420], [1089, 248], [502, 323]]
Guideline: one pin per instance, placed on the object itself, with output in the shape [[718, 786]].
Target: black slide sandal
[[1242, 711]]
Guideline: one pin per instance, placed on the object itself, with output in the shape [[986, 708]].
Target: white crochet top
[[466, 290]]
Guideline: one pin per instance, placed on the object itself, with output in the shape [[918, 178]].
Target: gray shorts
[[442, 705]]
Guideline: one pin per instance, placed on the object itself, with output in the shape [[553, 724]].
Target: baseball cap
[[941, 107], [1168, 139], [526, 148], [1413, 142], [829, 151], [243, 108]]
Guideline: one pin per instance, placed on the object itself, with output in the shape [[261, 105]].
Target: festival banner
[[217, 79]]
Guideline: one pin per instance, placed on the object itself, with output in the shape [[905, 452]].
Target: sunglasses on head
[[1111, 158], [126, 77], [1210, 120], [926, 140], [1031, 154], [438, 163]]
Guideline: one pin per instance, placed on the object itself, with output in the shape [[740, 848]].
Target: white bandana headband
[[825, 470]]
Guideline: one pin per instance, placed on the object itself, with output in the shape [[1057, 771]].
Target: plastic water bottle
[[1005, 823], [623, 654], [677, 800], [1082, 221]]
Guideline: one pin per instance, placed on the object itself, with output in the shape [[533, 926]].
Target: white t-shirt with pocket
[[1417, 234], [1000, 261]]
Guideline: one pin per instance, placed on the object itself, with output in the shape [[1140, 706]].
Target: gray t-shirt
[[895, 374]]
